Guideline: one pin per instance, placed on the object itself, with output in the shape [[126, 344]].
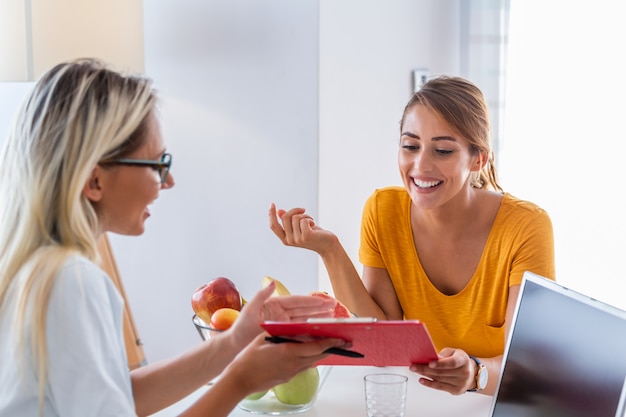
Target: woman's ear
[[481, 161], [92, 188]]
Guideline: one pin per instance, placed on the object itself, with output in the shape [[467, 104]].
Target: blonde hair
[[77, 114], [462, 105]]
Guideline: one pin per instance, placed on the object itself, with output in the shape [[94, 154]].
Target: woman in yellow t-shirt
[[449, 248]]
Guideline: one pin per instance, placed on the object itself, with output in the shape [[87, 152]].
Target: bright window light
[[564, 141]]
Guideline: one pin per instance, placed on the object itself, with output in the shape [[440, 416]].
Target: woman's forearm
[[347, 284], [159, 385], [221, 398]]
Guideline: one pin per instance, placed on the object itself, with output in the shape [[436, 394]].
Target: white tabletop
[[343, 396]]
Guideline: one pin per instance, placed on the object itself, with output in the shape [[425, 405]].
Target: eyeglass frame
[[163, 165]]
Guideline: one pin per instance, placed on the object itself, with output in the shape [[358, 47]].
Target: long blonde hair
[[77, 114]]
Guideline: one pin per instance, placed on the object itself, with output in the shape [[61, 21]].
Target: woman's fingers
[[450, 373], [297, 307], [275, 225], [290, 226]]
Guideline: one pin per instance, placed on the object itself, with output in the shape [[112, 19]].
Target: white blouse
[[88, 373]]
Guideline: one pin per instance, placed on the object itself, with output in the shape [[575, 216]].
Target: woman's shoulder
[[81, 286], [519, 213], [76, 264], [78, 273], [392, 192], [512, 203], [388, 198]]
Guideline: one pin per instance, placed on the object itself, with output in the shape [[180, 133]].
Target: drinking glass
[[385, 395]]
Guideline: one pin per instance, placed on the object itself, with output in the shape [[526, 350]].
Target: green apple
[[256, 395], [300, 389]]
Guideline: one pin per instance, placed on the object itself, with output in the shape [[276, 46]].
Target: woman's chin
[[136, 230]]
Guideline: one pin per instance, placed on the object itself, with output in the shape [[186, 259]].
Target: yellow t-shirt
[[520, 240]]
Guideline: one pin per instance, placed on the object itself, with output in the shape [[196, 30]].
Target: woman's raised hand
[[297, 228]]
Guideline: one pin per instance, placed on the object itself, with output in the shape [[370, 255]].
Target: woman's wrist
[[240, 380], [237, 340], [473, 370], [222, 397], [480, 375], [332, 249]]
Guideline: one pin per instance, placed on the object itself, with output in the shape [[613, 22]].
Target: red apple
[[340, 309], [217, 293]]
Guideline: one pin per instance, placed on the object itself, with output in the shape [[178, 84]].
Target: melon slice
[[280, 288]]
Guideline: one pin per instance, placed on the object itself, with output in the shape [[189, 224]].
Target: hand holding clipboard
[[374, 343]]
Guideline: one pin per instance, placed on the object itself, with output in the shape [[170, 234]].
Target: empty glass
[[385, 395]]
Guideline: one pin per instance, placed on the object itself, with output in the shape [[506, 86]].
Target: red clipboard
[[382, 343]]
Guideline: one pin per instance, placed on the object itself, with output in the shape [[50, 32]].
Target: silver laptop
[[565, 356]]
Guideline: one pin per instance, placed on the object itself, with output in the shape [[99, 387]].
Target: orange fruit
[[223, 318]]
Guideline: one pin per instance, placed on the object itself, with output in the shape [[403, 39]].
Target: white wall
[[11, 95], [240, 110], [368, 50]]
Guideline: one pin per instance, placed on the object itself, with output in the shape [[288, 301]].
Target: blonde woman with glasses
[[85, 156]]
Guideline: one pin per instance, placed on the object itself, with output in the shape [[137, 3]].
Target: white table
[[343, 396]]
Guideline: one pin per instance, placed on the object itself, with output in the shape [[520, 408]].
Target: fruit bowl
[[284, 399], [270, 404], [204, 330]]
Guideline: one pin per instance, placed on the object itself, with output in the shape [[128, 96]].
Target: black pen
[[333, 350]]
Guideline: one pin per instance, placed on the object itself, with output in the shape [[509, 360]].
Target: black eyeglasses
[[162, 166]]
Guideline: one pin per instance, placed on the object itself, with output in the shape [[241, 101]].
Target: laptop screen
[[566, 355]]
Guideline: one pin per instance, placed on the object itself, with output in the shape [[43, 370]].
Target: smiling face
[[435, 162], [125, 192]]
